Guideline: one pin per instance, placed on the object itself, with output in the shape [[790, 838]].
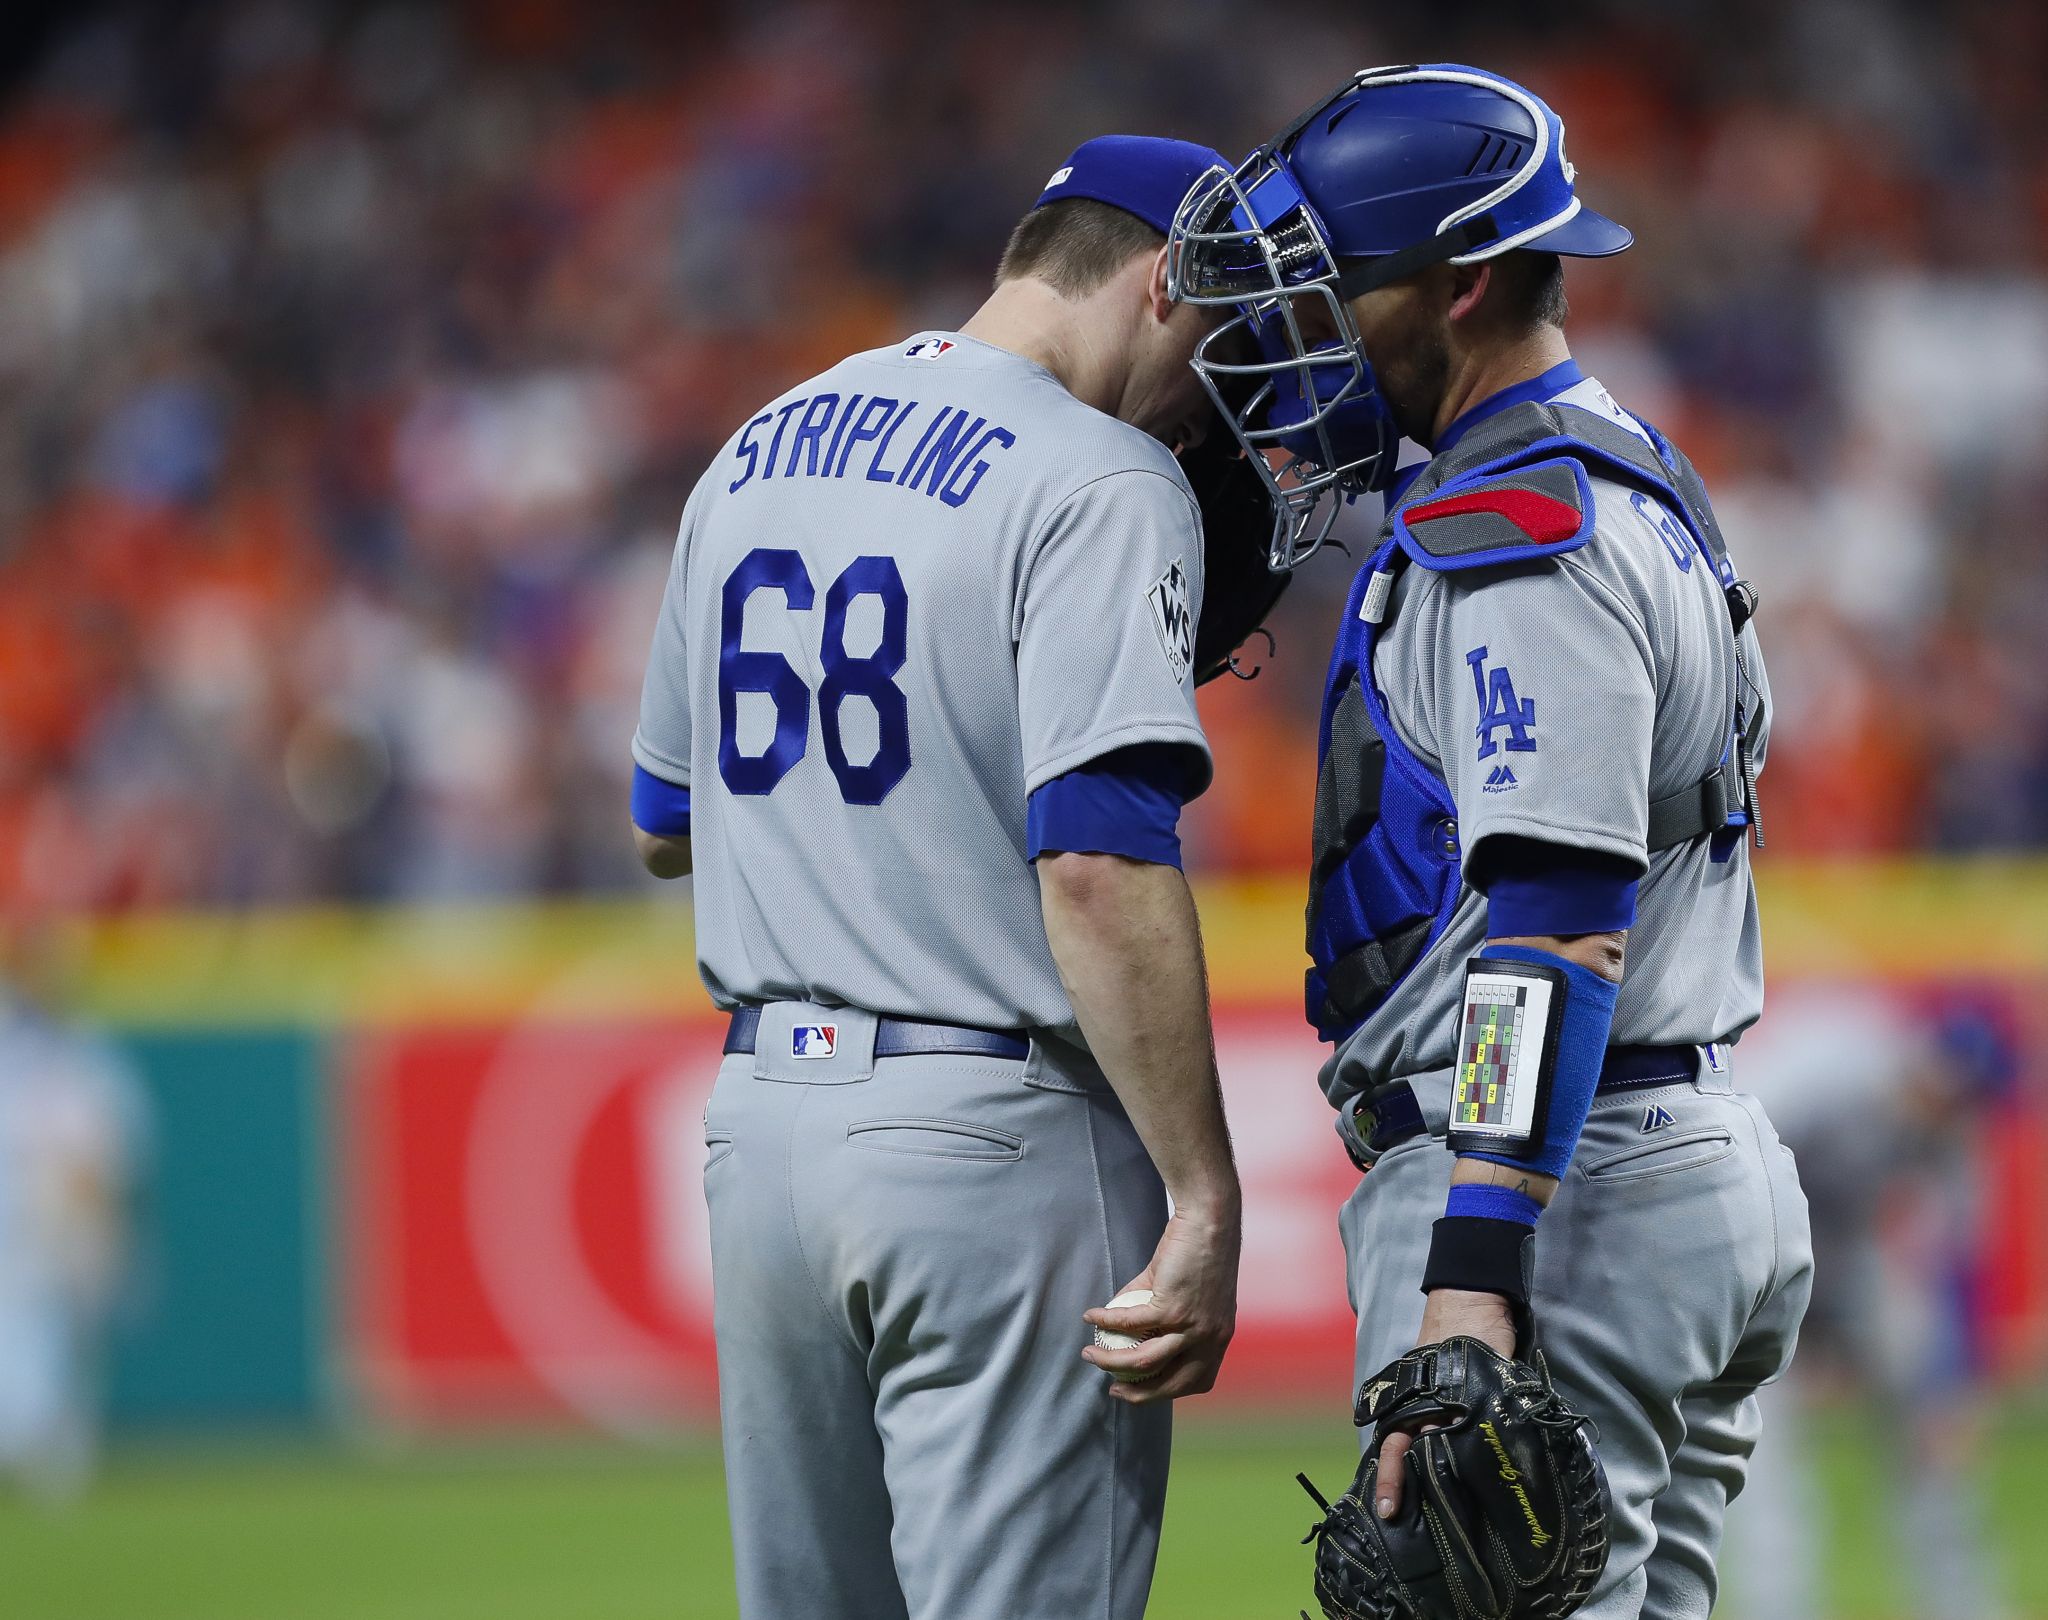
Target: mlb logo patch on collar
[[929, 348], [1516, 516], [813, 1040]]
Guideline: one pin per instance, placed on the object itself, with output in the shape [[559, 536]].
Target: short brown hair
[[1535, 289], [1075, 245]]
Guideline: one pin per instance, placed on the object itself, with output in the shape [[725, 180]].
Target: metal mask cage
[[1218, 252], [1219, 255]]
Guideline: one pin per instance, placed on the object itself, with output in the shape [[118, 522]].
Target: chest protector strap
[[1386, 878]]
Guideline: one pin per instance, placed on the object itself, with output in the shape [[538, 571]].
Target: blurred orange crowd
[[354, 367]]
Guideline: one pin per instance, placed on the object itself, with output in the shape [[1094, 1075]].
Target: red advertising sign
[[524, 1224]]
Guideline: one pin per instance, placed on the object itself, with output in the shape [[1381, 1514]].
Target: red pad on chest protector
[[1542, 518]]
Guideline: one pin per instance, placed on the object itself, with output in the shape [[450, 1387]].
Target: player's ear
[[1155, 287], [1468, 286]]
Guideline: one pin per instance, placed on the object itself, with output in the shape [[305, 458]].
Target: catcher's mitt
[[1503, 1509], [1238, 590]]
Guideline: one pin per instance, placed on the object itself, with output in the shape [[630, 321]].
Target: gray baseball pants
[[1672, 1270], [901, 1252]]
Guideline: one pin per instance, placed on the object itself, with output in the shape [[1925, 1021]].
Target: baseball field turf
[[580, 1532]]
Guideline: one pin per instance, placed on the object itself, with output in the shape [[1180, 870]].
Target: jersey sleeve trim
[[1626, 846], [1127, 803], [1174, 730], [659, 806], [1552, 889], [656, 763]]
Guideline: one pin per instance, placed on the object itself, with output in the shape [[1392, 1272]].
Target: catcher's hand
[[1238, 590], [1504, 1514], [1451, 1313]]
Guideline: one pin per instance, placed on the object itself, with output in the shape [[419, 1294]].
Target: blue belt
[[1392, 1114], [902, 1037]]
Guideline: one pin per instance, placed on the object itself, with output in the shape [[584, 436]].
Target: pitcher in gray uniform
[[1541, 735], [920, 712]]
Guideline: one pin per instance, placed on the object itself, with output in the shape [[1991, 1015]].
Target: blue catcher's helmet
[[1399, 169]]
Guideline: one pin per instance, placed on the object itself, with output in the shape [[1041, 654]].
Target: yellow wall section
[[597, 958]]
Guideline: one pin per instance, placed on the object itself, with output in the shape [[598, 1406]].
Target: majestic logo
[[1499, 780], [926, 349], [1059, 177], [1499, 707], [1657, 1117], [1174, 619], [813, 1040]]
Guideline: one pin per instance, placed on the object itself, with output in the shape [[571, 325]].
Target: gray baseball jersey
[[907, 594], [1557, 701]]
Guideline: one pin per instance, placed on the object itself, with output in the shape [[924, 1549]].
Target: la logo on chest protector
[[1174, 618], [1500, 709]]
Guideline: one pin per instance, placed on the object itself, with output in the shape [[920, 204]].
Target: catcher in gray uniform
[[1541, 734], [920, 712]]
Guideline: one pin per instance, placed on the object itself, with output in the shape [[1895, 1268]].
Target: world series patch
[[1173, 617], [1504, 1044]]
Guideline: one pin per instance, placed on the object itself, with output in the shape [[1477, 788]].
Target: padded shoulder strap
[[1534, 509], [1513, 448], [1534, 428]]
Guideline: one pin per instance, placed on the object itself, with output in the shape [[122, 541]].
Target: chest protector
[[1386, 878]]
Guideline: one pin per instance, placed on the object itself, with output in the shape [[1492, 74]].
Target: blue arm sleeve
[[1493, 1204], [1585, 1019], [1533, 887], [660, 807], [1125, 803]]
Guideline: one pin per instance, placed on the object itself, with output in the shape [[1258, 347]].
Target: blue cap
[[1141, 174]]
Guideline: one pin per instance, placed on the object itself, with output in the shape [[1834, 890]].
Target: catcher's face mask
[[1305, 407], [1375, 182]]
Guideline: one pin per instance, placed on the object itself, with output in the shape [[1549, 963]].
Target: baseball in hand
[[1109, 1339]]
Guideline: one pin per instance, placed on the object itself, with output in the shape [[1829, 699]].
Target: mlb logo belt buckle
[[813, 1040]]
